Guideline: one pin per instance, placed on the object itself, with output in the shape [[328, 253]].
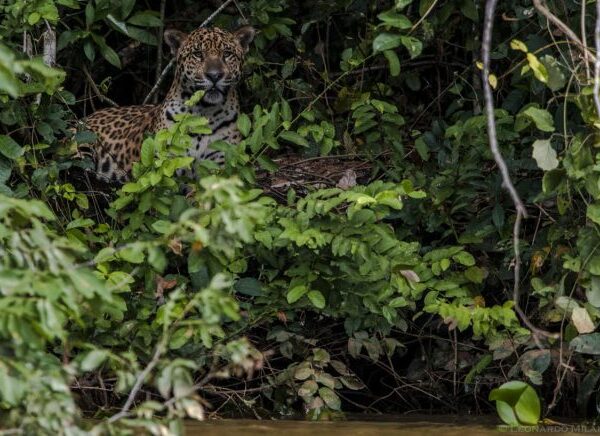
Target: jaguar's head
[[209, 59]]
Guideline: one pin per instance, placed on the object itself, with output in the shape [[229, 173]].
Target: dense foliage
[[139, 305]]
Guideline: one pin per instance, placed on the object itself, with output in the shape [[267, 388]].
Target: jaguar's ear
[[245, 35], [174, 39]]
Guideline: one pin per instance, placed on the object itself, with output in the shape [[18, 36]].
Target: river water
[[426, 426]]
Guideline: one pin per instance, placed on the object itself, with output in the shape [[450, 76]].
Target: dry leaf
[[348, 180], [162, 285], [410, 275], [176, 246], [582, 321]]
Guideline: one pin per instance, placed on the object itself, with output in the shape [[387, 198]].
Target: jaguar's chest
[[222, 121]]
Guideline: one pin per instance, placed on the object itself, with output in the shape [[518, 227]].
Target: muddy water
[[451, 426]]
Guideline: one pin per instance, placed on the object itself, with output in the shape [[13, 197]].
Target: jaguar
[[208, 60]]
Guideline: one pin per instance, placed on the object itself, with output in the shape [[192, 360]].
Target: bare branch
[[101, 97], [597, 63], [488, 25], [159, 47], [572, 36], [160, 348]]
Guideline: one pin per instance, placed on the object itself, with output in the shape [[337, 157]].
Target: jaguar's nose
[[214, 75]]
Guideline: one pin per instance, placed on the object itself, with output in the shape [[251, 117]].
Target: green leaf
[[517, 403], [9, 148], [244, 124], [394, 19], [108, 53], [89, 14], [303, 372], [393, 61], [386, 41], [469, 10], [5, 169], [593, 212], [132, 254], [308, 388], [539, 70], [413, 45], [317, 299], [330, 398], [147, 153], [80, 223], [592, 292], [475, 274], [516, 44], [425, 5], [248, 286], [145, 19], [586, 389], [541, 118], [557, 78], [544, 154], [93, 360], [296, 293], [294, 138], [586, 344], [464, 258]]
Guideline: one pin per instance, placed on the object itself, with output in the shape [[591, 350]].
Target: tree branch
[[597, 62], [488, 25], [572, 36]]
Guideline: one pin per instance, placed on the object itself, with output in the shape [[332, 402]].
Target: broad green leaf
[[425, 6], [516, 44], [147, 153], [464, 258], [517, 403], [413, 45], [544, 154], [9, 147], [592, 292], [539, 70], [386, 41], [145, 19], [296, 293], [294, 138], [469, 10], [132, 254], [244, 124], [317, 299], [586, 344], [393, 62], [303, 372], [394, 19], [330, 398], [557, 79], [541, 118], [249, 286], [593, 213], [93, 360], [308, 388]]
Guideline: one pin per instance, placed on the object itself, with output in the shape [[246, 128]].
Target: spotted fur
[[207, 59]]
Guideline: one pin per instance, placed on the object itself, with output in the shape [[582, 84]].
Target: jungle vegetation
[[356, 252]]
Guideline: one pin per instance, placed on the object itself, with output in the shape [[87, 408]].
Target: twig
[[160, 348], [597, 63], [99, 94], [488, 25], [543, 9], [159, 48], [584, 39], [162, 75]]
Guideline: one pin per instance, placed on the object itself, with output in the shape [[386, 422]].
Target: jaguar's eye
[[198, 54], [228, 54]]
